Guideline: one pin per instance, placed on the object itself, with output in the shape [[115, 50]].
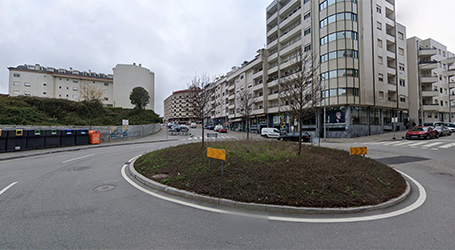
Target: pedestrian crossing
[[434, 145], [223, 137]]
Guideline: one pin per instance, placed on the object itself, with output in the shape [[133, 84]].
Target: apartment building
[[177, 107], [41, 81], [431, 70], [362, 68]]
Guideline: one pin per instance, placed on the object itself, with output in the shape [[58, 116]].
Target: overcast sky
[[176, 39]]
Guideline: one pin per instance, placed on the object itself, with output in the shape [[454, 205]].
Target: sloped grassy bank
[[271, 173]]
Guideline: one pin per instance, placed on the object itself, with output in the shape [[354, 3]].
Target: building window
[[379, 25], [402, 82], [27, 93], [307, 32], [401, 67], [378, 9], [74, 96], [380, 77], [44, 93], [106, 84], [16, 92], [16, 75], [349, 53], [346, 34], [16, 83], [306, 16], [106, 98], [380, 60], [327, 3], [27, 84], [307, 48], [401, 51], [402, 99], [75, 81], [400, 35], [75, 89], [44, 84], [379, 43], [338, 17]]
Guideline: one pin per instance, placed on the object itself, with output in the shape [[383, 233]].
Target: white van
[[270, 132]]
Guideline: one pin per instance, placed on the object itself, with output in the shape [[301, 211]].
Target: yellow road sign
[[358, 151], [219, 154]]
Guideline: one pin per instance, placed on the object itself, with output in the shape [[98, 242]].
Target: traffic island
[[270, 176]]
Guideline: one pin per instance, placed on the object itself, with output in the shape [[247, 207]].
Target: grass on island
[[270, 172]]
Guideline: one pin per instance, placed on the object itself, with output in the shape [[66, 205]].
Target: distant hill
[[26, 110]]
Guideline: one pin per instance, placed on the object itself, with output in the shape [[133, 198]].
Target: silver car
[[443, 130]]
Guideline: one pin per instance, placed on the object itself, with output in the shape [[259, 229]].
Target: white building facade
[[41, 81], [431, 70], [362, 55]]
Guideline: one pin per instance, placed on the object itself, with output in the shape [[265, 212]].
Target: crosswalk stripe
[[403, 143], [431, 144], [417, 144], [391, 143], [447, 145]]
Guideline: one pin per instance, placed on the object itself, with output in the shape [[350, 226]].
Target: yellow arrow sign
[[219, 154], [358, 150]]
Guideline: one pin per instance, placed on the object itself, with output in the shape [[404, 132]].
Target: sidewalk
[[379, 137]]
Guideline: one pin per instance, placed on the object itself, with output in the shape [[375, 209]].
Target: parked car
[[218, 127], [294, 136], [222, 130], [443, 130], [193, 125], [210, 127], [270, 132], [451, 127], [422, 132], [179, 128]]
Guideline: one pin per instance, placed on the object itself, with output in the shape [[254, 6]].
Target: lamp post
[[325, 112], [450, 93]]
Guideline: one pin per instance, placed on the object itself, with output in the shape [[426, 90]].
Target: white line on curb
[[415, 205], [78, 158], [8, 187]]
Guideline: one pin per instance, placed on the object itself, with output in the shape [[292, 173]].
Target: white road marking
[[78, 158], [391, 143], [417, 143], [403, 143], [431, 144], [447, 145], [415, 205], [7, 187]]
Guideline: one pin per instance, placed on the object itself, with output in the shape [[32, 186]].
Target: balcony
[[431, 93], [258, 74], [428, 52], [258, 99], [272, 57], [231, 97], [272, 84], [451, 85], [450, 72], [432, 107], [449, 61], [273, 30], [272, 97], [232, 106], [231, 87], [429, 79], [272, 110], [272, 18], [258, 112], [258, 86], [428, 65]]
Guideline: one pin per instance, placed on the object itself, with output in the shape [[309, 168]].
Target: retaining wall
[[108, 133]]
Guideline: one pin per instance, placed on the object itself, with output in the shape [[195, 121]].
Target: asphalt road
[[79, 199]]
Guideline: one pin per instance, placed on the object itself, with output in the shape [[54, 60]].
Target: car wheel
[[425, 137], [281, 139]]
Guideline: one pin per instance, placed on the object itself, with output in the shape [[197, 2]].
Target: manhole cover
[[104, 188]]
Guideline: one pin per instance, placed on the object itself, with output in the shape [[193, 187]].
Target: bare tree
[[90, 92], [201, 96], [245, 105], [301, 89]]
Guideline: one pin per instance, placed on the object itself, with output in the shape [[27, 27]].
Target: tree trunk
[[300, 137], [202, 124], [247, 130]]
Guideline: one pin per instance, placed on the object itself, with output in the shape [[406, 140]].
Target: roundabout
[[156, 190]]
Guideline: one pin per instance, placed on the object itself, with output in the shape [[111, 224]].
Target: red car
[[422, 132], [222, 130]]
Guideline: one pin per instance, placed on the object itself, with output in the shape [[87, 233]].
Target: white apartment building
[[41, 81], [362, 51], [177, 107], [126, 78], [431, 70]]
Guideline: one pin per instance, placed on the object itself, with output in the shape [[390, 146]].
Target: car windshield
[[420, 129]]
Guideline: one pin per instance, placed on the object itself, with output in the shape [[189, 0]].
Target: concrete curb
[[255, 206]]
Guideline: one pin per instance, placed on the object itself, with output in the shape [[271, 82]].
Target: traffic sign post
[[358, 151], [219, 154]]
